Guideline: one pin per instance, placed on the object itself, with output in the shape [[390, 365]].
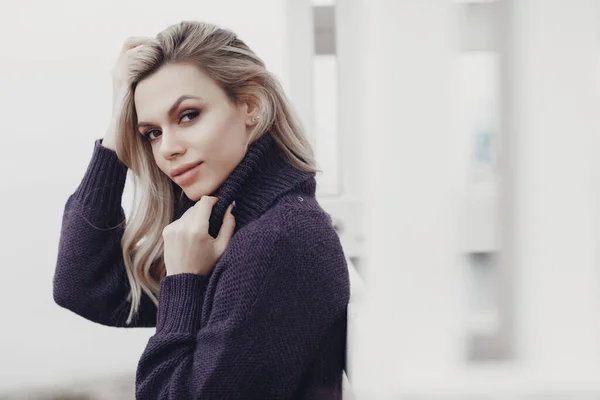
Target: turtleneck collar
[[263, 175]]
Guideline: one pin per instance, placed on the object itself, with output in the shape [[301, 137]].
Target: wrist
[[180, 303]]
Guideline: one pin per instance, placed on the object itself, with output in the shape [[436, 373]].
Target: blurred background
[[459, 144]]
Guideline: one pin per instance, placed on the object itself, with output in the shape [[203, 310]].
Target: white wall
[[411, 337], [55, 97], [554, 108], [411, 330]]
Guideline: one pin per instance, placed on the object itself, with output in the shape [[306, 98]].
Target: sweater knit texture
[[268, 322]]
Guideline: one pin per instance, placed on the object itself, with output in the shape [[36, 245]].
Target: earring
[[254, 119]]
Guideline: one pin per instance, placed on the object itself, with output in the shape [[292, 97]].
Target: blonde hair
[[228, 61]]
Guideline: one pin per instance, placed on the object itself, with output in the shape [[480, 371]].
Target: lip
[[183, 168], [188, 177]]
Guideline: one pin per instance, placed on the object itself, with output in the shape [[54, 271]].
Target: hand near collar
[[188, 247]]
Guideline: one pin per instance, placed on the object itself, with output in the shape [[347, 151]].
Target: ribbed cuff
[[104, 180], [180, 303]]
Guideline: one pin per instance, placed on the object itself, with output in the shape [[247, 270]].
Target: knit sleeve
[[272, 308], [90, 278], [101, 188]]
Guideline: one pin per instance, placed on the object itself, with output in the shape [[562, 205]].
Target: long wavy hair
[[228, 61]]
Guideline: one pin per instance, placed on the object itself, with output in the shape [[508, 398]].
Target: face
[[188, 119]]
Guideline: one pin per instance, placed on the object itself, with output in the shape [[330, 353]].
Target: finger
[[134, 50], [134, 41], [204, 208], [226, 231], [190, 212]]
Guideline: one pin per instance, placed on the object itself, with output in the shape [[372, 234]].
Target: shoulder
[[298, 219], [305, 245], [292, 251], [294, 224], [291, 247]]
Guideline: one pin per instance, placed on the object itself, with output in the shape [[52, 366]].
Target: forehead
[[156, 93]]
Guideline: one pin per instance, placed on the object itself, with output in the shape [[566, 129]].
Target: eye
[[147, 135], [191, 114]]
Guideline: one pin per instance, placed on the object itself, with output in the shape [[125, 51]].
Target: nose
[[171, 146]]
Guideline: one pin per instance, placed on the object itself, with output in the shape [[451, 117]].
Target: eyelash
[[146, 136]]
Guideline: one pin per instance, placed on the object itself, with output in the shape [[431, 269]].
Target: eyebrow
[[173, 107]]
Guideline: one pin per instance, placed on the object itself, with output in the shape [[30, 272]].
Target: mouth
[[188, 175], [182, 169]]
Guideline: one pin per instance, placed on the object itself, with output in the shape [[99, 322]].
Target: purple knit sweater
[[269, 322]]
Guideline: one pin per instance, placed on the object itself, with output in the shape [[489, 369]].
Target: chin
[[196, 190]]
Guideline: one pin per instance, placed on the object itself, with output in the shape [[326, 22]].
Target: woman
[[228, 254]]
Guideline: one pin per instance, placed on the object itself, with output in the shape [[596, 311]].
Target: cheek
[[226, 159], [233, 133], [159, 160], [229, 155], [229, 140], [216, 132]]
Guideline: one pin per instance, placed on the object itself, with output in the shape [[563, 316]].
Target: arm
[[90, 277], [271, 310]]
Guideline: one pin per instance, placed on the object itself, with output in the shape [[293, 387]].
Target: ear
[[251, 113]]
